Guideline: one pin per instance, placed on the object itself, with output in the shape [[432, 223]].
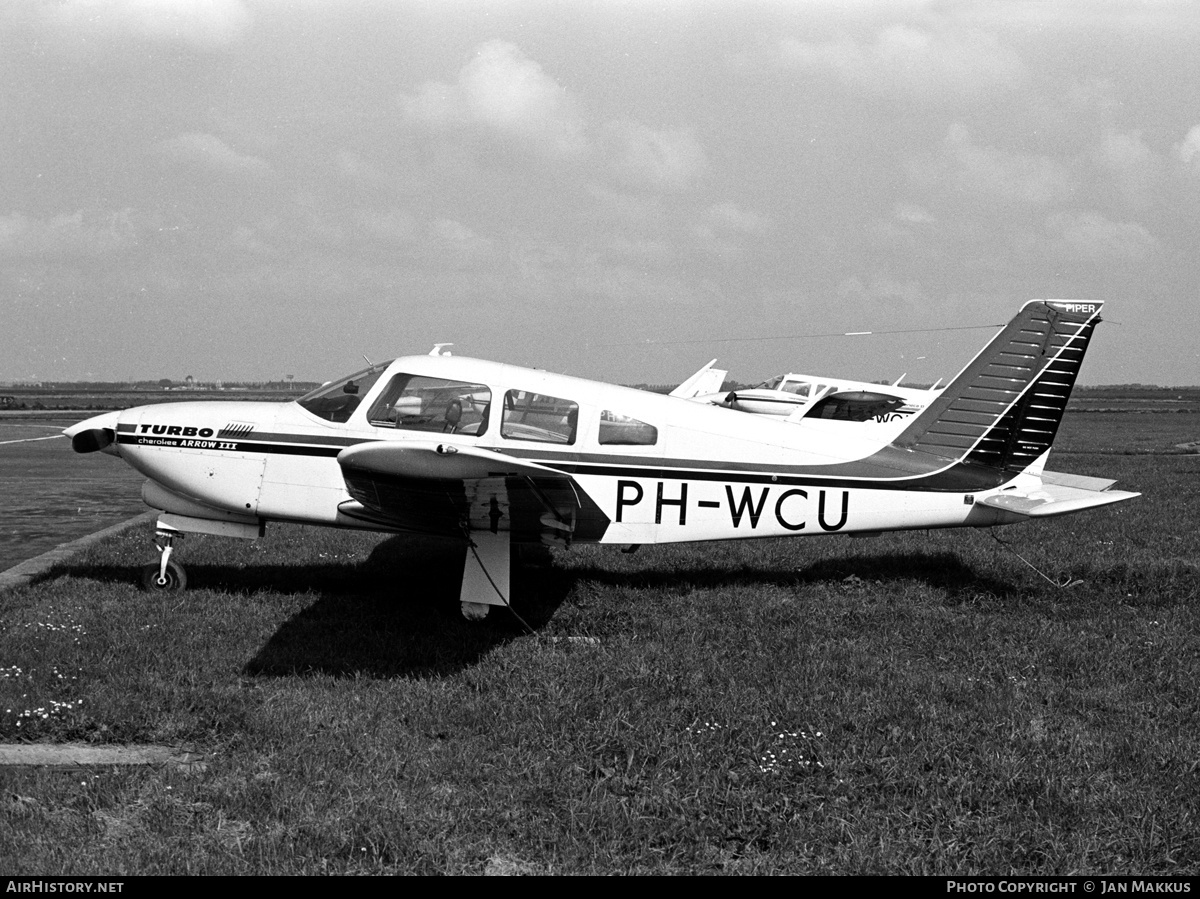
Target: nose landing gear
[[165, 574]]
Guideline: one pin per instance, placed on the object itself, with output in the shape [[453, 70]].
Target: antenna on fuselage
[[437, 349]]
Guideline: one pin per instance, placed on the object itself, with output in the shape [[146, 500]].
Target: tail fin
[[707, 380], [1003, 410]]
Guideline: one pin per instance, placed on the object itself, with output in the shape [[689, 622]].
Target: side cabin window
[[337, 400], [533, 416], [622, 430], [798, 388], [418, 403]]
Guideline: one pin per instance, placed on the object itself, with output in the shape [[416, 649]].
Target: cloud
[[1188, 150], [912, 214], [917, 62], [667, 160], [1094, 238], [455, 244], [210, 152], [722, 226], [392, 226], [76, 234], [1134, 165], [731, 217], [1126, 151], [979, 172], [505, 92], [201, 23], [626, 211], [910, 231], [880, 293], [357, 169]]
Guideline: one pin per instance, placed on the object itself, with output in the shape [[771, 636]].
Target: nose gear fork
[[166, 573], [165, 548]]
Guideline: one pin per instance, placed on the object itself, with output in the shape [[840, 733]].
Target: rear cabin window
[[622, 430], [418, 403], [540, 418]]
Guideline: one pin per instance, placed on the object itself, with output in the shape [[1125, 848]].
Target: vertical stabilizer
[[1003, 410]]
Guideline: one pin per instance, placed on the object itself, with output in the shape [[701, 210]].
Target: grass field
[[917, 703]]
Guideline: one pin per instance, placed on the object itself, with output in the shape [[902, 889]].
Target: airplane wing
[[451, 490], [1058, 494], [706, 380], [436, 461], [486, 499]]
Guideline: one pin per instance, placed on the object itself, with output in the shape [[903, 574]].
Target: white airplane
[[493, 455], [796, 397]]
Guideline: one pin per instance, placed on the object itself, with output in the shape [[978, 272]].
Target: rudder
[[1003, 410]]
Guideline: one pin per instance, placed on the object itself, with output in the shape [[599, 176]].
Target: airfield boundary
[[78, 755], [26, 571]]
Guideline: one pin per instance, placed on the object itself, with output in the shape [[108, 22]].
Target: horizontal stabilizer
[[1062, 479], [1059, 494]]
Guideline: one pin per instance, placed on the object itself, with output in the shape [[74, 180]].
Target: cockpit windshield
[[337, 400]]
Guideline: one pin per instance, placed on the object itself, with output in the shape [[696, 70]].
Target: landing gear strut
[[166, 573]]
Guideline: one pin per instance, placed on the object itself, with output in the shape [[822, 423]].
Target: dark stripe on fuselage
[[887, 469], [777, 400], [955, 479], [265, 437], [219, 445]]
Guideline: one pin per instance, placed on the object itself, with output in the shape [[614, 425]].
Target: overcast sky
[[247, 189]]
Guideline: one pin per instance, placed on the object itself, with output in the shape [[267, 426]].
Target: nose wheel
[[165, 574], [174, 578]]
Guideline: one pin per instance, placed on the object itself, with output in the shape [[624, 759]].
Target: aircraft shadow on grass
[[395, 614], [944, 570], [391, 617]]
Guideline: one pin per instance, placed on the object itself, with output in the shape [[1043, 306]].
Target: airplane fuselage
[[492, 455], [700, 472]]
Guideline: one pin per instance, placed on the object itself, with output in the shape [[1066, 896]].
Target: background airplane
[[795, 397], [492, 455]]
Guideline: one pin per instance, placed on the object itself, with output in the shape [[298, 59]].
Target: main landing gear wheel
[[172, 579]]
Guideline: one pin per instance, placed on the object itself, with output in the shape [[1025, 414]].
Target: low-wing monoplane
[[493, 455], [796, 397]]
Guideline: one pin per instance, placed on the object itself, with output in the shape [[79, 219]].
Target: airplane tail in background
[[706, 380], [1003, 410]]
